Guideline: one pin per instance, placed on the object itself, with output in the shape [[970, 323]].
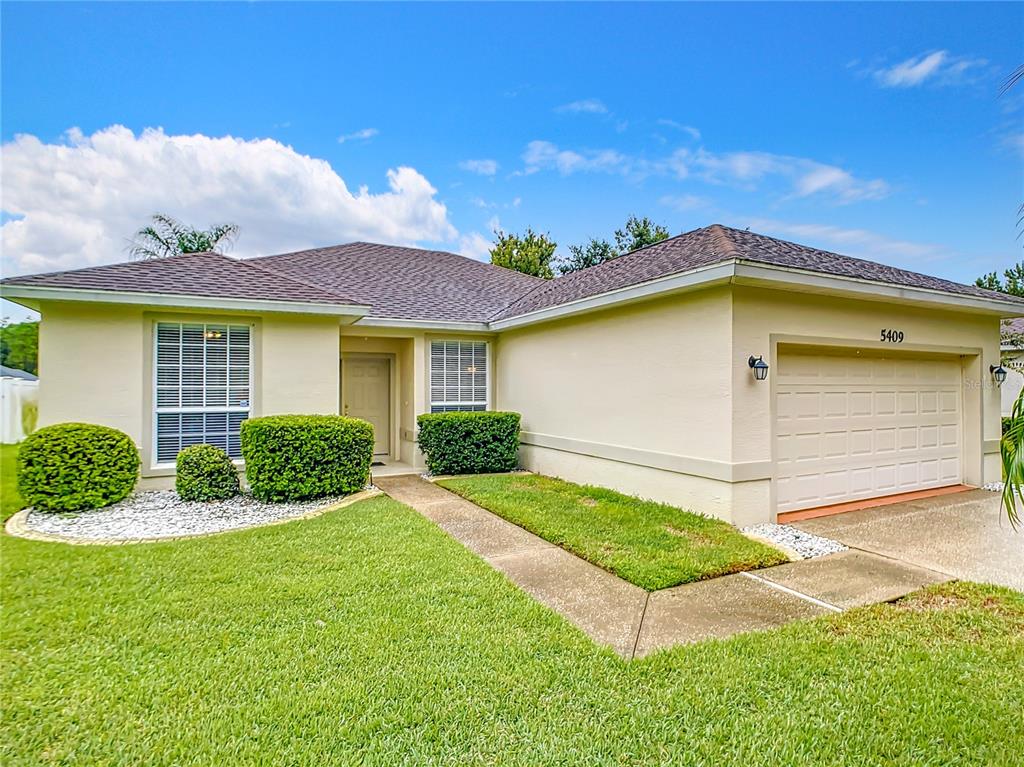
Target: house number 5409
[[892, 336]]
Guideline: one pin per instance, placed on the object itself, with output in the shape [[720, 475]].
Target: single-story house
[[719, 370]]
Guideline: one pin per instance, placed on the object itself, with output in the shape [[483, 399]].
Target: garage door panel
[[849, 428]]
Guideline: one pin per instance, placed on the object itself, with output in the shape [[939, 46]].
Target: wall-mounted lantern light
[[760, 367], [998, 373]]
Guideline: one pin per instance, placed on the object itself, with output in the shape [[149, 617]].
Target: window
[[458, 375], [202, 387]]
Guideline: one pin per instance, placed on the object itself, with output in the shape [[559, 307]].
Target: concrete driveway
[[964, 535]]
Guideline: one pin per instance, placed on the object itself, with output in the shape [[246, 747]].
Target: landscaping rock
[[806, 545], [162, 514]]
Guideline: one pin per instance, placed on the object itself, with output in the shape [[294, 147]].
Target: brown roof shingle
[[210, 275], [408, 283], [431, 285], [718, 244]]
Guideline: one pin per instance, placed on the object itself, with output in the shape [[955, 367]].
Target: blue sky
[[874, 130]]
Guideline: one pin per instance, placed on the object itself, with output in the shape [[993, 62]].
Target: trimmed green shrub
[[205, 473], [470, 443], [76, 466], [292, 457]]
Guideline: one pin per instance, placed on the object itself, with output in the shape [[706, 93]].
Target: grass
[[367, 636], [650, 544], [10, 501]]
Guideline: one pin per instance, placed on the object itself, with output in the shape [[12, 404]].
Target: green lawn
[[649, 544], [367, 636], [10, 501]]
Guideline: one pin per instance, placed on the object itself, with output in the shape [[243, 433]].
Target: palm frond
[[1011, 451], [1012, 79]]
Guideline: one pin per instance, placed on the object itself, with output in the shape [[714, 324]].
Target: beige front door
[[366, 394]]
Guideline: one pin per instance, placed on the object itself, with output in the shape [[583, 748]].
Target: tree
[[167, 236], [638, 233], [1013, 284], [19, 346], [530, 253], [583, 256], [1011, 451]]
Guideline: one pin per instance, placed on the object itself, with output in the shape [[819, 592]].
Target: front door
[[366, 394]]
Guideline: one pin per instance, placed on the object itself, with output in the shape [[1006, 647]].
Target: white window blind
[[202, 387], [458, 375]]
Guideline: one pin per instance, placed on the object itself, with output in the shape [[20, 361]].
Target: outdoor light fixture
[[998, 372], [760, 367]]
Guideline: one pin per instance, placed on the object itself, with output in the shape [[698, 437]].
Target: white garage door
[[855, 427]]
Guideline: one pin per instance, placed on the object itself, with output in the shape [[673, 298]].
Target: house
[[1012, 346], [720, 370]]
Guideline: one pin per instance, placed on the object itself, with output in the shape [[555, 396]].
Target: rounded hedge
[[205, 473], [293, 457], [469, 442], [76, 466]]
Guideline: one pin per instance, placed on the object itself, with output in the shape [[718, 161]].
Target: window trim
[[155, 464], [488, 377]]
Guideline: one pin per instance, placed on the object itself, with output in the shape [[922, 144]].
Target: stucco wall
[[603, 394], [764, 318], [95, 366], [91, 366]]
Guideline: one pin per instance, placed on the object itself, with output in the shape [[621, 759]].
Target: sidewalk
[[635, 622]]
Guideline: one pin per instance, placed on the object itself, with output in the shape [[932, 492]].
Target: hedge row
[[292, 457], [470, 443], [77, 466]]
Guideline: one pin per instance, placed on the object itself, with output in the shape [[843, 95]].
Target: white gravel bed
[[162, 514], [995, 487], [806, 545]]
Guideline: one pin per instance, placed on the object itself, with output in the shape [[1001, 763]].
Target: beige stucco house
[[635, 374]]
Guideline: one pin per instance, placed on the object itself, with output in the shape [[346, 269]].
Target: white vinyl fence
[[18, 404]]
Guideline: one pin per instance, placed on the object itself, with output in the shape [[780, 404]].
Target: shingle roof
[[430, 285], [718, 244], [190, 274], [408, 283]]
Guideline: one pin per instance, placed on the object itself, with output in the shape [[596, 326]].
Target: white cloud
[[482, 167], [359, 135], [796, 176], [475, 245], [688, 129], [584, 106], [79, 201], [937, 67], [543, 155], [1015, 143], [852, 242]]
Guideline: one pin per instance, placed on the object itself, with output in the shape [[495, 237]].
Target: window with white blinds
[[458, 375], [202, 388]]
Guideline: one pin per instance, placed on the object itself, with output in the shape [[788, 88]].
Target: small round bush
[[76, 466], [205, 473]]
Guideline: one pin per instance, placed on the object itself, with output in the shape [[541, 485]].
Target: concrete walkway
[[635, 622]]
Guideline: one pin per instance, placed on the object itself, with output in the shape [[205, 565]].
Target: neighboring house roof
[[410, 284], [717, 244], [1012, 332], [6, 372]]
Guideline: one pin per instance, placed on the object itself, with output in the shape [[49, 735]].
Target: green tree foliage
[[583, 256], [530, 253], [167, 236], [638, 233], [19, 346], [1012, 281]]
